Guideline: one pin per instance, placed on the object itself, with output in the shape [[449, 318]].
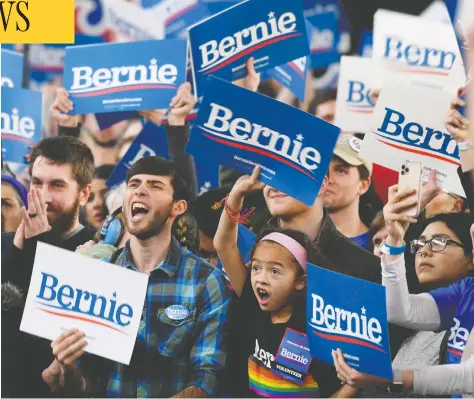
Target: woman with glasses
[[443, 255]]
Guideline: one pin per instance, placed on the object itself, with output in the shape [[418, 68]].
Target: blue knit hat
[[19, 188]]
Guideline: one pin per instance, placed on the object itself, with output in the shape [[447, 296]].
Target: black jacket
[[25, 356]]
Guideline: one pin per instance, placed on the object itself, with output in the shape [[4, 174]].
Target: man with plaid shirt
[[181, 342]]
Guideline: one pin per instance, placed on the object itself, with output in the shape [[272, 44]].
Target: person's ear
[[458, 205], [301, 283], [364, 186], [179, 207], [84, 193], [324, 185]]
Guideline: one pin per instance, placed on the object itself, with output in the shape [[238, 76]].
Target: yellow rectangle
[[36, 21]]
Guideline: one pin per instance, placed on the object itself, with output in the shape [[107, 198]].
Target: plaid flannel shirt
[[171, 355]]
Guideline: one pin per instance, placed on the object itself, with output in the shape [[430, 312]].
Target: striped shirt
[[171, 355]]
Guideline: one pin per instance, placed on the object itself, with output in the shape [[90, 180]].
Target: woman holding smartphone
[[445, 308]]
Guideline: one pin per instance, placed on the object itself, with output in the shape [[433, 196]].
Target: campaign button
[[177, 312]]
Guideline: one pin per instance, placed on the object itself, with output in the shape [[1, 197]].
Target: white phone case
[[411, 176]]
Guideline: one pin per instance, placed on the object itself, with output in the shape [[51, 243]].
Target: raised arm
[[413, 311], [225, 240]]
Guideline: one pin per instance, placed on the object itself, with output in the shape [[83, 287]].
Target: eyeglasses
[[437, 244]]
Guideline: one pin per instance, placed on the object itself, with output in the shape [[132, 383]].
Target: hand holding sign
[[68, 348], [252, 80], [352, 377], [181, 105], [244, 185], [456, 124], [61, 106]]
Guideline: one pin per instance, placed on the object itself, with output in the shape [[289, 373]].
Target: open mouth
[[139, 209], [263, 296]]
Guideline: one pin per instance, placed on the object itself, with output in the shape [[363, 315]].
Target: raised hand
[[35, 219], [456, 124], [61, 106], [181, 105], [395, 222], [252, 80]]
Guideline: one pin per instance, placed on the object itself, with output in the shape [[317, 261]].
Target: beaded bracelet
[[239, 217]]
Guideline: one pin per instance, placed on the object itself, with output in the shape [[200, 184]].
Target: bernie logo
[[412, 137], [358, 98], [457, 338], [66, 302], [342, 325], [423, 60], [87, 82], [242, 134], [217, 55], [16, 127]]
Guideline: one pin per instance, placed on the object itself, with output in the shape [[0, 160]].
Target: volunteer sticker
[[293, 358], [177, 312]]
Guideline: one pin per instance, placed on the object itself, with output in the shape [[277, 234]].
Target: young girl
[[271, 301]]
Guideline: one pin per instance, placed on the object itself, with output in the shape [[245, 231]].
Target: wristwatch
[[389, 250], [464, 146], [397, 385]]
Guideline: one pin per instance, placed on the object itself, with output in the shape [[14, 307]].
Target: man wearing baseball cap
[[349, 179]]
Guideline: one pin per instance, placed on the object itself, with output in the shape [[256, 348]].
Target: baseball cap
[[347, 148]]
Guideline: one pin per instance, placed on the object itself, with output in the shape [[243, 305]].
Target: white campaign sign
[[69, 290], [354, 107], [131, 22], [413, 49], [408, 125]]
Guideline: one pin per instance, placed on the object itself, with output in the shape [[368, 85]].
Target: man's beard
[[64, 218], [152, 229]]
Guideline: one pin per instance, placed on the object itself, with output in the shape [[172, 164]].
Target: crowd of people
[[156, 223]]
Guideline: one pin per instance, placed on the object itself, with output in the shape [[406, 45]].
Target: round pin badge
[[177, 312], [355, 144]]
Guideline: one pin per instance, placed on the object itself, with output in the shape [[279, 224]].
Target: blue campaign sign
[[177, 23], [207, 173], [292, 75], [150, 141], [46, 62], [245, 241], [11, 69], [273, 32], [124, 76], [352, 318], [293, 357], [324, 39], [108, 119], [292, 147], [20, 122], [366, 44]]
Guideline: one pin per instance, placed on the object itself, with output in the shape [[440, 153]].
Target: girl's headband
[[295, 248]]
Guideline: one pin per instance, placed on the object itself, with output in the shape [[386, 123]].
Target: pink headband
[[295, 248]]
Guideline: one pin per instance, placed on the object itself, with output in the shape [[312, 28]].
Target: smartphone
[[411, 176]]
